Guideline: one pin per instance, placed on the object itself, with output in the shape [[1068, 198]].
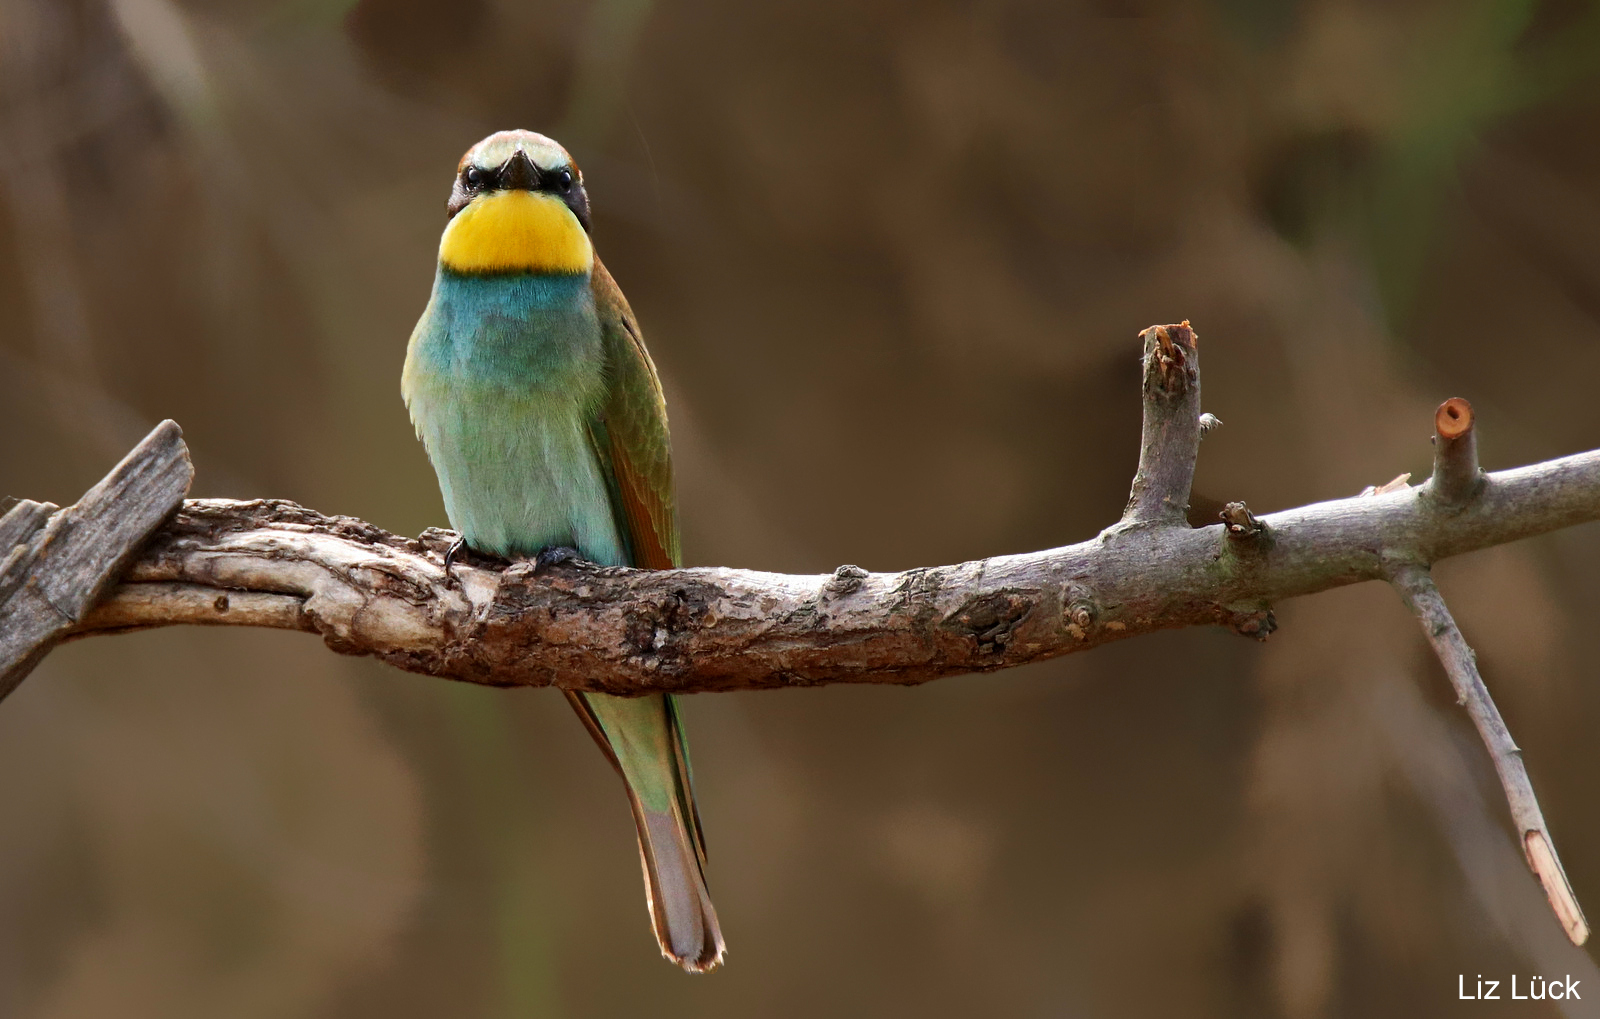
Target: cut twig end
[[1457, 479], [1542, 858], [1453, 419]]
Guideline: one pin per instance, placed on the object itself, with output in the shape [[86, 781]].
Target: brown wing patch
[[643, 512], [638, 446]]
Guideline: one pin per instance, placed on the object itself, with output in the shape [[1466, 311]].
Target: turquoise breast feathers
[[503, 375]]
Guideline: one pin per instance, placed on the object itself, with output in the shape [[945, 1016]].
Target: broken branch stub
[[59, 563], [1170, 436]]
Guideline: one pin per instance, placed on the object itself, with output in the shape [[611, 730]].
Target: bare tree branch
[[579, 626]]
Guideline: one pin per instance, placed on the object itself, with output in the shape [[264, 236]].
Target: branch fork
[[1173, 426], [1457, 482]]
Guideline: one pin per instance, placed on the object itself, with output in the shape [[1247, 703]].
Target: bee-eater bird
[[530, 386]]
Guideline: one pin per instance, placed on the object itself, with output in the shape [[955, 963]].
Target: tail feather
[[680, 750], [681, 912], [643, 739]]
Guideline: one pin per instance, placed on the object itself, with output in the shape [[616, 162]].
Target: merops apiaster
[[530, 386]]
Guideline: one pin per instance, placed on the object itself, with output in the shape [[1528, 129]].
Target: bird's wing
[[643, 736], [635, 453], [630, 435]]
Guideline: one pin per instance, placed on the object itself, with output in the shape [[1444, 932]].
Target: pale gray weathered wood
[[51, 578], [20, 521], [16, 551]]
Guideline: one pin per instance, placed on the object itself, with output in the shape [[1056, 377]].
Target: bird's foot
[[554, 554], [450, 555]]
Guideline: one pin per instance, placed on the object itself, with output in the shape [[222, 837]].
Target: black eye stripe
[[555, 178], [560, 182], [560, 179]]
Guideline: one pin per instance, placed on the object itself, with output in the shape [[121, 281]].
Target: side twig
[[1416, 587]]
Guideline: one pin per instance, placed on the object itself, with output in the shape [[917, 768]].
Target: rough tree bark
[[55, 564], [580, 626]]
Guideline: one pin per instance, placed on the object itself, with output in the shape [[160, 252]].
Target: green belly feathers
[[502, 378]]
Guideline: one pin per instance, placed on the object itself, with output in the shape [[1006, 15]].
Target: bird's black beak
[[518, 174]]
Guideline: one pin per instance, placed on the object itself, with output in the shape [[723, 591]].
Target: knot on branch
[[1256, 623], [439, 540], [651, 628], [1078, 610], [1241, 524], [846, 580], [990, 619]]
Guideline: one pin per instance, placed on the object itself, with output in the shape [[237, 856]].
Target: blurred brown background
[[891, 259]]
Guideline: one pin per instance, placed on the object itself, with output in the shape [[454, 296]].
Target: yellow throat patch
[[516, 231]]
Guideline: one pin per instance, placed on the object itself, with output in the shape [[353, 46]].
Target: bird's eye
[[564, 178], [476, 177]]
